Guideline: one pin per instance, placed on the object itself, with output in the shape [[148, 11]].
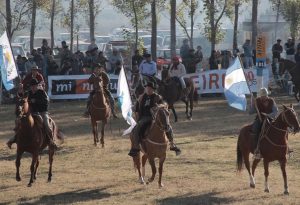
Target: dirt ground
[[205, 172]]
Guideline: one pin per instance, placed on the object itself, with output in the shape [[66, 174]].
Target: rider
[[264, 106], [38, 103], [34, 74], [148, 66], [177, 69], [99, 71], [142, 108]]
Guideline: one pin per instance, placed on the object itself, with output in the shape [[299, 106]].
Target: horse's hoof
[[150, 180], [252, 186], [18, 179], [160, 185], [286, 193], [49, 180], [267, 190], [29, 185], [102, 145]]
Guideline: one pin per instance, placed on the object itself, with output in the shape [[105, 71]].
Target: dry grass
[[203, 174]]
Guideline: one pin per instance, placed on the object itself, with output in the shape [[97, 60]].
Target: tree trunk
[[192, 23], [72, 25], [212, 24], [236, 20], [136, 25], [92, 20], [154, 30], [51, 24], [173, 27], [254, 22], [8, 19], [32, 28]]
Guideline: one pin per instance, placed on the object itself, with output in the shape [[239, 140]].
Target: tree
[[136, 11], [290, 10], [254, 22], [32, 26], [53, 9], [214, 11], [190, 7], [173, 27], [16, 18], [92, 20], [153, 30], [71, 24]]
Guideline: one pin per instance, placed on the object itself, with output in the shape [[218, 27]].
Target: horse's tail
[[239, 158], [57, 133]]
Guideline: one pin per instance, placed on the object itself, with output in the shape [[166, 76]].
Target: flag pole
[[256, 108]]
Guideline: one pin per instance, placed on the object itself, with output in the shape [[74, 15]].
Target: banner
[[75, 86], [212, 81], [8, 58]]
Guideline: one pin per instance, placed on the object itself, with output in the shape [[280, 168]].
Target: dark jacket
[[145, 103], [38, 101]]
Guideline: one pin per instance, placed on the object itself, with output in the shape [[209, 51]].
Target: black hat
[[34, 82], [151, 84], [278, 39], [147, 55]]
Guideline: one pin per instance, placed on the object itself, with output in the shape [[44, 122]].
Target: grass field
[[205, 172]]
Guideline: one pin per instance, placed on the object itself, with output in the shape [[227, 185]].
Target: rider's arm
[[274, 112]]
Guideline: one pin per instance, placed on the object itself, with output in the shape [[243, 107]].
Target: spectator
[[93, 45], [199, 56], [184, 51], [289, 48], [277, 50], [191, 61], [37, 57], [213, 61], [29, 63], [114, 60], [65, 53], [248, 54], [66, 67], [53, 68], [21, 66], [45, 48]]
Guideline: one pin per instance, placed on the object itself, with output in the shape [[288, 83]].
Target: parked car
[[18, 49], [164, 57], [102, 39], [21, 39], [147, 41]]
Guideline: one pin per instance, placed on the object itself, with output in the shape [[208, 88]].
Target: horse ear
[[284, 107], [291, 106]]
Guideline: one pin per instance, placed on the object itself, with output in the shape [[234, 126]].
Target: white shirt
[[177, 72]]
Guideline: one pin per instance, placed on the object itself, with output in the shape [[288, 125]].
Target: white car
[[18, 49]]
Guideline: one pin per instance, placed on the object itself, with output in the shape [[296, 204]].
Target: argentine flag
[[236, 86], [124, 100]]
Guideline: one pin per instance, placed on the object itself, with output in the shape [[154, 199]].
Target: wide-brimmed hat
[[34, 82], [263, 92], [151, 85], [35, 68]]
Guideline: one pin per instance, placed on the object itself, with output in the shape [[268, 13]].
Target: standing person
[[191, 61], [289, 48], [99, 72], [264, 106], [148, 66], [29, 63], [64, 53], [199, 56], [114, 60], [38, 103], [184, 51], [53, 68], [143, 107], [213, 60], [277, 50], [45, 48], [93, 45], [248, 54]]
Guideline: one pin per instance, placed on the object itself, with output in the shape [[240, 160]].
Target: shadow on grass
[[81, 195], [203, 199]]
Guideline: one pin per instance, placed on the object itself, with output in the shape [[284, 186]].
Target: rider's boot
[[173, 146]]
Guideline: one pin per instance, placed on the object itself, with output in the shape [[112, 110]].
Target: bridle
[[285, 119], [157, 121]]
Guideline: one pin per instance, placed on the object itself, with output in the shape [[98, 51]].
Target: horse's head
[[289, 116], [161, 117], [22, 107], [98, 85]]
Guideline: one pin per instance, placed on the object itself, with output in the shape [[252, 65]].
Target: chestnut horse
[[294, 71], [273, 145], [155, 144], [31, 138], [99, 111]]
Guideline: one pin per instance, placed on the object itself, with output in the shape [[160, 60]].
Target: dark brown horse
[[273, 145], [31, 138], [155, 144], [99, 111], [294, 71]]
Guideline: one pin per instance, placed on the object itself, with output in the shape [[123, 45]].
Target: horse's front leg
[[32, 168], [266, 168], [36, 168], [102, 133], [282, 166], [51, 154], [153, 168], [174, 112], [18, 163], [191, 107], [95, 132], [160, 171]]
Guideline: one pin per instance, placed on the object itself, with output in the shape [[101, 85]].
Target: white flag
[[124, 100], [8, 58]]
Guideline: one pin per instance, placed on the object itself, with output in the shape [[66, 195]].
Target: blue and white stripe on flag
[[124, 100], [235, 86], [8, 84]]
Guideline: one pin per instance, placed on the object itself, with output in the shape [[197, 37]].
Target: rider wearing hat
[[148, 66], [99, 71], [177, 69], [38, 103], [264, 106], [34, 74], [144, 118]]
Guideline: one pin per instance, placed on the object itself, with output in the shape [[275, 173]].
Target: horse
[[294, 71], [31, 138], [154, 145], [99, 111], [273, 145], [171, 91]]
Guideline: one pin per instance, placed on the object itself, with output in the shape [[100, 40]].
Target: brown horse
[[172, 91], [155, 144], [272, 144], [99, 111], [294, 71], [31, 138]]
